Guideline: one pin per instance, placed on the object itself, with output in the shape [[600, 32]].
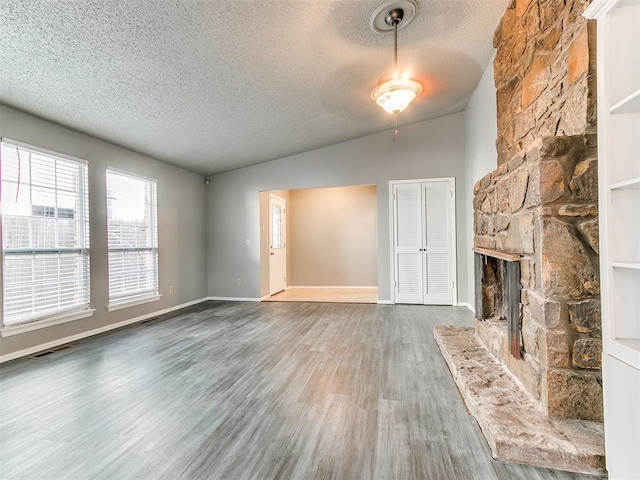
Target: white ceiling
[[217, 85]]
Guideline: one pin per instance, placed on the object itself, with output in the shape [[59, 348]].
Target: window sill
[[132, 302], [10, 330]]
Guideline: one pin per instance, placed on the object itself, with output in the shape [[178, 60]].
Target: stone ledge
[[515, 428]]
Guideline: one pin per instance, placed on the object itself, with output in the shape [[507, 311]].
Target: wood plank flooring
[[250, 391]]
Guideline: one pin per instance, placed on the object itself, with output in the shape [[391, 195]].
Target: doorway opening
[[330, 241]]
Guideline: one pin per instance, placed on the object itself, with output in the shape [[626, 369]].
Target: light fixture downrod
[[393, 18], [395, 91]]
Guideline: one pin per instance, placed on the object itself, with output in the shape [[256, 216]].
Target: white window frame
[[127, 299], [66, 313]]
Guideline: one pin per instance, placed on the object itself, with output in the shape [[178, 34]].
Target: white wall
[[481, 131], [333, 237], [428, 149], [181, 219]]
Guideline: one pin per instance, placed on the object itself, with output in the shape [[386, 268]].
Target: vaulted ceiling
[[217, 85]]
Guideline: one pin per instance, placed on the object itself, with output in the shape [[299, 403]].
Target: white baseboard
[[234, 299], [459, 304], [468, 305], [95, 331]]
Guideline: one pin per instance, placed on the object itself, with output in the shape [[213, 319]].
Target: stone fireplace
[[541, 206], [530, 370]]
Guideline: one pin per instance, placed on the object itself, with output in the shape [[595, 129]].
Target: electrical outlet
[[170, 288], [247, 242], [238, 281]]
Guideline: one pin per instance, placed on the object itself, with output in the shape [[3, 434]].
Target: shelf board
[[628, 104], [631, 265], [626, 350], [631, 183]]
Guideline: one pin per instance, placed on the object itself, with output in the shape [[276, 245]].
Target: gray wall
[[481, 131], [230, 206], [430, 149], [181, 220], [333, 237]]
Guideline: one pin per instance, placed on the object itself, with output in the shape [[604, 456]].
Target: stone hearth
[[515, 428]]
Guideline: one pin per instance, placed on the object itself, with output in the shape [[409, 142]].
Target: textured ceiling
[[217, 85]]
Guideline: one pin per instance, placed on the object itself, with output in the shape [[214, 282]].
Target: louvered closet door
[[408, 243], [438, 285], [424, 242]]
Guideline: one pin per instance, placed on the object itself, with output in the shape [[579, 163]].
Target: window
[[276, 226], [45, 235], [133, 239]]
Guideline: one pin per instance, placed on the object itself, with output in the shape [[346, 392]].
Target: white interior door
[[277, 244], [408, 243], [424, 242], [438, 242]]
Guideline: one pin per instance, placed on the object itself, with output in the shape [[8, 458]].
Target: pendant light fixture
[[395, 91]]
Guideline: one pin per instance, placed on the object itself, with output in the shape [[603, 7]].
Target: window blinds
[[45, 234], [133, 237]]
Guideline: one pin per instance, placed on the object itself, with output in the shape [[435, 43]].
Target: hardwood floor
[[249, 390], [326, 295]]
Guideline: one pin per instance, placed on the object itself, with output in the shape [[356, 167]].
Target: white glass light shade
[[395, 94]]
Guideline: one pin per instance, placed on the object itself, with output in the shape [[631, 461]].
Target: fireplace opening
[[497, 279]]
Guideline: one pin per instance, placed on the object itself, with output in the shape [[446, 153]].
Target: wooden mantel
[[509, 257]]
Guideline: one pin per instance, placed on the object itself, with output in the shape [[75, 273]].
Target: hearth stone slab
[[513, 424]]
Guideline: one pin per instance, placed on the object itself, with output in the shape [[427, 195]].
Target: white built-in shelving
[[618, 59], [619, 173]]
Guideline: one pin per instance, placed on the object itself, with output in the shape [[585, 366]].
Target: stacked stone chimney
[[541, 203]]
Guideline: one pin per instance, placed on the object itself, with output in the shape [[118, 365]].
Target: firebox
[[497, 292]]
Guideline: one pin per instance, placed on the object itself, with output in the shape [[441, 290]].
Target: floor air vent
[[50, 351], [150, 320]]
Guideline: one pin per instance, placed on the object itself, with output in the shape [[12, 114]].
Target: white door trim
[[454, 253], [454, 242]]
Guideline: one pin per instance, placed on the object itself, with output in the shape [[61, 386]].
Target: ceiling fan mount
[[393, 12]]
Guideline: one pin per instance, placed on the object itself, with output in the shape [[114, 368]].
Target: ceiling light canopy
[[394, 92]]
